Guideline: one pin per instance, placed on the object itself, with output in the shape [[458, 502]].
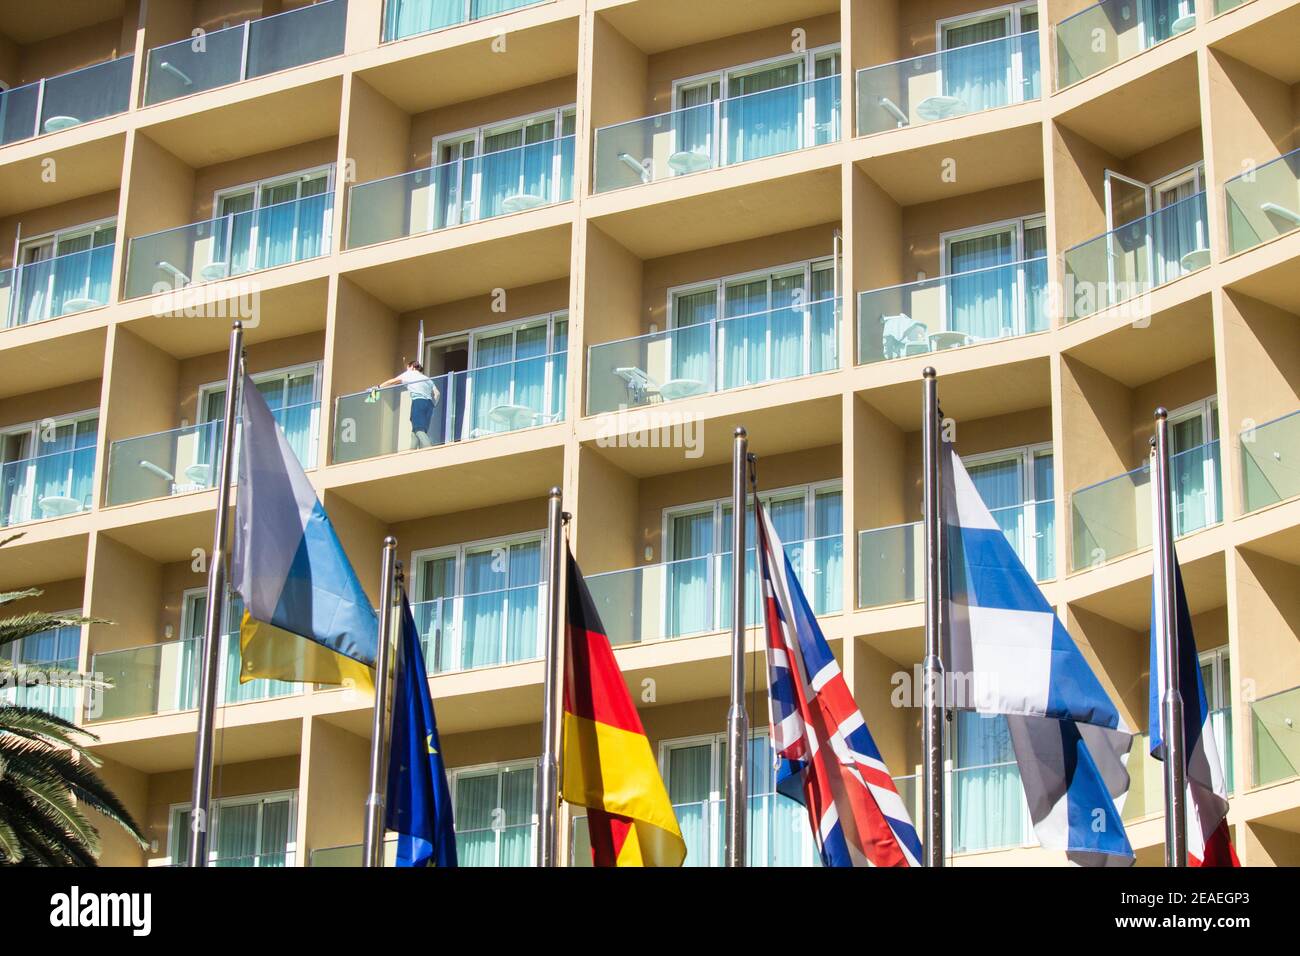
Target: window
[[48, 467], [270, 222], [64, 271], [1017, 487], [997, 282], [293, 395], [57, 648], [1216, 678], [495, 811], [694, 769], [257, 830], [989, 809], [752, 328], [979, 73], [809, 521], [481, 604], [501, 378], [503, 167], [1173, 241], [1194, 465], [194, 609]]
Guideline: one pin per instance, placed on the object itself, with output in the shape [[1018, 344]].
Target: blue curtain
[[435, 612], [523, 637], [980, 297], [1044, 523], [1001, 485], [764, 113], [1178, 228], [827, 590], [989, 809], [65, 465], [694, 315], [490, 381], [742, 336], [1034, 277], [976, 64], [690, 597], [55, 648], [693, 120], [483, 611], [822, 328], [232, 235], [405, 18], [530, 370]]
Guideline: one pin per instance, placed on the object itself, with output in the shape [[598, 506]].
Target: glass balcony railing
[[70, 99], [46, 486], [1275, 725], [273, 858], [1264, 202], [411, 18], [1112, 31], [891, 560], [230, 245], [987, 807], [163, 678], [350, 855], [485, 629], [719, 133], [1223, 6], [953, 311], [185, 459], [778, 834], [60, 285], [250, 49], [713, 356], [1270, 462], [510, 844], [937, 86], [1146, 791], [491, 400], [693, 595], [1113, 518], [462, 191], [1137, 257]]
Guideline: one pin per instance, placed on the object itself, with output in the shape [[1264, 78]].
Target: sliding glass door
[[979, 73], [270, 223], [1016, 486], [246, 831], [1193, 461], [494, 810], [989, 296]]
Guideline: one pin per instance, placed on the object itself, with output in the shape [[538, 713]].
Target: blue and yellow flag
[[307, 617], [419, 801]]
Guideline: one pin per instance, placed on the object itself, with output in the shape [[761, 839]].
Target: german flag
[[609, 767]]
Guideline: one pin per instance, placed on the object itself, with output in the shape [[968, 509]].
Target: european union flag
[[419, 801]]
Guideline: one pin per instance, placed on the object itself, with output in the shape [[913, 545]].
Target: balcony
[[1263, 203], [185, 459], [720, 133], [1112, 518], [412, 18], [486, 629], [714, 356], [938, 86], [692, 596], [61, 285], [1270, 463], [1113, 31], [251, 49], [477, 403], [230, 245], [47, 486], [1146, 791], [952, 311], [1137, 257], [891, 560], [163, 678], [462, 191], [64, 101], [778, 834], [1275, 724], [988, 809]]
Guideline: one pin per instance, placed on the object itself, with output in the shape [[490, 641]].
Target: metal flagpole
[[372, 852], [737, 720], [932, 688], [1171, 703], [201, 795], [548, 793]]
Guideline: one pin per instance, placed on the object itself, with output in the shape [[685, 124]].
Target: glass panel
[[989, 806], [1114, 30], [194, 64], [746, 126], [56, 649], [408, 18], [1270, 456], [49, 485], [85, 95], [72, 281], [1274, 720], [1136, 258], [290, 39], [463, 190], [1263, 203], [975, 76]]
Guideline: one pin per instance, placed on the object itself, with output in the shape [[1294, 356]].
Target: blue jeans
[[421, 419]]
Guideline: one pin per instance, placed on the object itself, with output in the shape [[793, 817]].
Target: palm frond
[[8, 596], [37, 675], [37, 622], [32, 723]]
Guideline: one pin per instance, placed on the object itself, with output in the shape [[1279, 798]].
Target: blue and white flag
[[289, 567], [1005, 642]]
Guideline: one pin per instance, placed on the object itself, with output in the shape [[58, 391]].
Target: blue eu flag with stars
[[419, 801]]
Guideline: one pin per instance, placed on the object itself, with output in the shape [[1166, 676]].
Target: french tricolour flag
[[1208, 841], [827, 758]]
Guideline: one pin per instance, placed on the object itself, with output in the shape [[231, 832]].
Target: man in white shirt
[[424, 396]]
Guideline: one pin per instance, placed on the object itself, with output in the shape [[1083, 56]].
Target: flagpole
[[548, 792], [372, 851], [737, 720], [201, 795], [1171, 704], [932, 686]]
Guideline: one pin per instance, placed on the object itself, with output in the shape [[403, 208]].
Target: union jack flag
[[826, 758]]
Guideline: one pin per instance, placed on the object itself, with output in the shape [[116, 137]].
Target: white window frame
[[1207, 410], [1194, 172], [1028, 838], [459, 552], [26, 494], [1014, 14], [52, 240], [1017, 227], [258, 186], [285, 372], [14, 652], [499, 767], [219, 803], [1026, 455]]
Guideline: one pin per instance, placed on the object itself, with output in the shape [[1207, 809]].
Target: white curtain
[[406, 18], [827, 588], [978, 75], [689, 782], [694, 315], [989, 809], [690, 597], [1001, 484], [1177, 228], [493, 813], [980, 302], [764, 113]]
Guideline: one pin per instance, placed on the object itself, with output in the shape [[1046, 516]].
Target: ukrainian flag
[[306, 616], [608, 765]]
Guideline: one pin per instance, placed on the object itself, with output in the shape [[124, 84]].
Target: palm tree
[[47, 775]]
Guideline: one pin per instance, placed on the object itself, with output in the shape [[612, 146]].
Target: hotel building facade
[[614, 230]]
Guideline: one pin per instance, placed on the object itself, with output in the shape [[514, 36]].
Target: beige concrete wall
[[332, 802], [71, 51], [128, 591], [518, 517], [240, 172], [620, 73], [923, 224], [611, 495], [49, 403], [479, 312], [204, 370]]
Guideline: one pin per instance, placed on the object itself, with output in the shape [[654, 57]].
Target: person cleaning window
[[424, 396]]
